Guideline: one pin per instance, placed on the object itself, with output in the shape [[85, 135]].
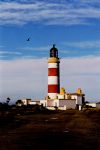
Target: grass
[[50, 130]]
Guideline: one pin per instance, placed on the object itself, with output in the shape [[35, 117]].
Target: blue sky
[[73, 25]]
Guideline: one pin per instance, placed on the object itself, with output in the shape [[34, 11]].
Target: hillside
[[50, 130]]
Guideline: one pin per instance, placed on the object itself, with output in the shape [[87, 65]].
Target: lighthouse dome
[[54, 51]]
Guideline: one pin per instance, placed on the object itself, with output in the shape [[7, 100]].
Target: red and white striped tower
[[53, 73]]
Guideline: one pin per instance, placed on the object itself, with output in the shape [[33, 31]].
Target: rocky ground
[[57, 130]]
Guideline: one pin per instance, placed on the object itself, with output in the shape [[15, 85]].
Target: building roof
[[75, 94]]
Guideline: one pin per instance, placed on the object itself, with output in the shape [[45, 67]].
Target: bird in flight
[[28, 39]]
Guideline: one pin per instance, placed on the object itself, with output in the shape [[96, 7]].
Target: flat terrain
[[57, 130]]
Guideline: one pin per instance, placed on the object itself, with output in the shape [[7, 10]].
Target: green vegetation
[[36, 128]]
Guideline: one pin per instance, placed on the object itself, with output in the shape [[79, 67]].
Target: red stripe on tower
[[52, 71], [52, 88]]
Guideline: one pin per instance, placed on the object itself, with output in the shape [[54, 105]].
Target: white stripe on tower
[[52, 80], [52, 65]]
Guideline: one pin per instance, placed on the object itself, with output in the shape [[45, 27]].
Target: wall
[[78, 99], [68, 103], [61, 96], [91, 104], [97, 105], [43, 102]]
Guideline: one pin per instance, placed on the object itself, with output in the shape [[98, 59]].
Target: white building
[[64, 100], [26, 102], [94, 104]]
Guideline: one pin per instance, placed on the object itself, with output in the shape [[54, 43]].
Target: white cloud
[[48, 12], [90, 1], [82, 72], [84, 44], [10, 53], [1, 46], [28, 77], [40, 49], [23, 78]]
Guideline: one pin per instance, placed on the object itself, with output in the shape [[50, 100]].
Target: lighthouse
[[53, 73], [58, 98]]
